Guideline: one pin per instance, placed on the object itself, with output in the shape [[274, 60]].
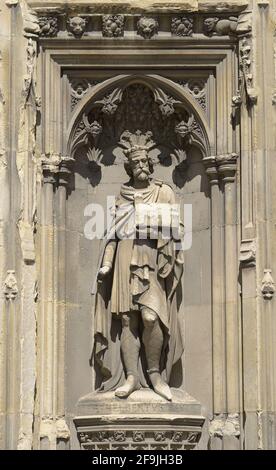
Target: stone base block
[[142, 421]]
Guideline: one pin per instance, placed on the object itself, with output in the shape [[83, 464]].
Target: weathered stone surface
[[142, 421], [68, 90]]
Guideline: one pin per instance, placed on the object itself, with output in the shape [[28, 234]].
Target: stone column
[[218, 319], [46, 385], [227, 166], [64, 178], [54, 431]]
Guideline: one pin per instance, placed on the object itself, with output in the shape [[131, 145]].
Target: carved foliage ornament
[[113, 26], [79, 88], [48, 26], [142, 439], [137, 112], [182, 26], [147, 27], [77, 25], [110, 102], [197, 88], [166, 103], [246, 68]]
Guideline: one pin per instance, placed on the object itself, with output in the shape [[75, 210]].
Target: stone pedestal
[[143, 421]]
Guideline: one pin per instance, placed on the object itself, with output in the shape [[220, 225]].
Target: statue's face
[[140, 166], [209, 24]]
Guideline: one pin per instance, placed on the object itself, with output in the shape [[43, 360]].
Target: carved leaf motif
[[48, 26], [110, 102], [94, 155], [166, 103], [113, 25], [184, 128], [182, 26]]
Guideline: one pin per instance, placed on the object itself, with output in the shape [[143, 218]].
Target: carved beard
[[142, 175]]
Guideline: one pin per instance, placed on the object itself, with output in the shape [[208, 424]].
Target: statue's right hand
[[103, 271]]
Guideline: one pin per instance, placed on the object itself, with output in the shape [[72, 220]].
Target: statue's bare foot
[[160, 387], [131, 384]]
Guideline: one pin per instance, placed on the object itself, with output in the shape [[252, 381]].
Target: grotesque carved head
[[147, 27], [209, 24], [77, 25]]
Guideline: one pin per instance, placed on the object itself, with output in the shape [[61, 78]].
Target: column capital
[[56, 168], [211, 169], [227, 166], [50, 167], [65, 170]]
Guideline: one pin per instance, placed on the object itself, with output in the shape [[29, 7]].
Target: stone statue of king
[[137, 336]]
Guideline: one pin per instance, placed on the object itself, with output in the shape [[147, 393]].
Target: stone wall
[[217, 62]]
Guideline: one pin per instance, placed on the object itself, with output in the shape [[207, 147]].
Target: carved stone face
[[147, 27], [209, 24], [140, 166], [77, 25]]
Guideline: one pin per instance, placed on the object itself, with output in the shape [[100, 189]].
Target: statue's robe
[[145, 272]]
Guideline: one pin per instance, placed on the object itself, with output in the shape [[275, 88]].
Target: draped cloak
[[154, 268]]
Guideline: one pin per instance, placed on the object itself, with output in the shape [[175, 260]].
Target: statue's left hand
[[104, 270]]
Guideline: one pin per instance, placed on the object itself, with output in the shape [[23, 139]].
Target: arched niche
[[93, 140]]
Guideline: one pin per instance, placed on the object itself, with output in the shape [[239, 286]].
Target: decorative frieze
[[138, 439], [268, 285], [182, 26], [76, 26], [10, 286], [113, 26], [147, 27]]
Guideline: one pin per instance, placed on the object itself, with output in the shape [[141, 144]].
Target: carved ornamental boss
[[138, 288]]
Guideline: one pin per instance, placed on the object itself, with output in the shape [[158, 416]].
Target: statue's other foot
[[131, 384], [160, 387]]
